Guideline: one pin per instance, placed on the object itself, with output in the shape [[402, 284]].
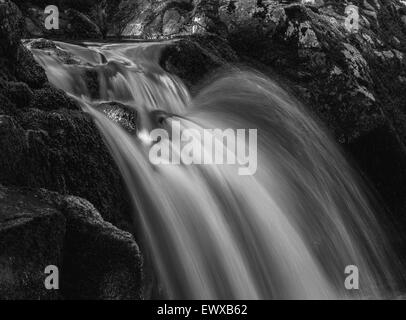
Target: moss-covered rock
[[31, 238], [27, 70], [45, 140], [62, 151], [194, 58], [100, 261], [81, 26], [18, 93], [50, 98], [11, 28], [39, 228]]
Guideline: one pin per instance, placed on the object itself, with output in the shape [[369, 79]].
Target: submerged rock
[[51, 48], [120, 113], [42, 43]]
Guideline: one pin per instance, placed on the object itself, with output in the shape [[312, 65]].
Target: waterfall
[[286, 232]]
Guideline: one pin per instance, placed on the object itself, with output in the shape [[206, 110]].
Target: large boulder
[[31, 238], [62, 151], [100, 260], [39, 228]]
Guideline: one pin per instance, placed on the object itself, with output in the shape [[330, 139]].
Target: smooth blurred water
[[287, 232]]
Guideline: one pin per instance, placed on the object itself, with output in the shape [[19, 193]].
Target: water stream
[[286, 232]]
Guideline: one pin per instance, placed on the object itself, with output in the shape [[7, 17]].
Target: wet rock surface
[[120, 113]]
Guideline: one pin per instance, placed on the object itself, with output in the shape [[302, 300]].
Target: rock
[[52, 49], [31, 238], [17, 62], [156, 19], [81, 27], [148, 19], [39, 228], [120, 113], [42, 43], [63, 151], [50, 98], [194, 58], [172, 22], [27, 70], [6, 106], [11, 28], [91, 77], [18, 93], [381, 157], [100, 261], [32, 29], [119, 14], [205, 17]]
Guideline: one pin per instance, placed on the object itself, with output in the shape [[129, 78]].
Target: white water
[[289, 231]]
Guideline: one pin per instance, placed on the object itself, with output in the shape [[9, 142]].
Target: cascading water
[[288, 231]]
